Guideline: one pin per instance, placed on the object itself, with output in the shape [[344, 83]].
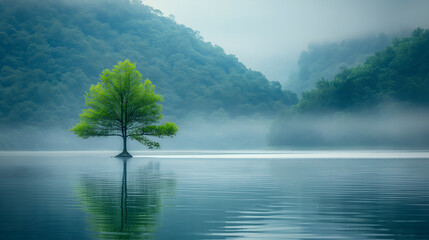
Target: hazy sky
[[268, 35]]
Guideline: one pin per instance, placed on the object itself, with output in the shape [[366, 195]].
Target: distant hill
[[325, 60], [383, 102], [52, 51], [399, 73]]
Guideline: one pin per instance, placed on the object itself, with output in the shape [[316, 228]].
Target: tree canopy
[[121, 105]]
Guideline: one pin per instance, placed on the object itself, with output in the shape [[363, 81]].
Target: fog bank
[[383, 127], [195, 133]]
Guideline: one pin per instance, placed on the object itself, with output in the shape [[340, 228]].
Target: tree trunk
[[124, 153]]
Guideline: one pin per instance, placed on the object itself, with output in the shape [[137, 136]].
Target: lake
[[215, 195]]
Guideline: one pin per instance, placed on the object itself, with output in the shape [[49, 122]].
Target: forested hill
[[52, 51], [327, 59], [381, 103], [399, 73]]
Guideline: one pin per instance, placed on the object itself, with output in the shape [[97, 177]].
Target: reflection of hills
[[128, 210]]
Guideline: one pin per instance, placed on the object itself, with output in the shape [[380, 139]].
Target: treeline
[[383, 102], [327, 59], [52, 51], [398, 73]]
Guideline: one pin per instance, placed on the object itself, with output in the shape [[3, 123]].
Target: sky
[[269, 35]]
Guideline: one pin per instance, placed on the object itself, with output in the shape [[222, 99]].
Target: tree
[[121, 105]]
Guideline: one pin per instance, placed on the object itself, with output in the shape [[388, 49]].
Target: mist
[[196, 132], [220, 132], [388, 126]]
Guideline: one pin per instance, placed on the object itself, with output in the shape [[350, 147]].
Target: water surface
[[215, 195]]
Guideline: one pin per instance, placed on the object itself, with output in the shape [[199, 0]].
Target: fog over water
[[195, 132], [387, 126]]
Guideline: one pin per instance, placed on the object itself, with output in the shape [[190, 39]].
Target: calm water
[[214, 195]]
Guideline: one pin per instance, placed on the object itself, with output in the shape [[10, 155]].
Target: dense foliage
[[399, 73], [52, 51], [121, 105], [327, 59]]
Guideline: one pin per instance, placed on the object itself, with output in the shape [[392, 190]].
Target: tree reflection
[[127, 211]]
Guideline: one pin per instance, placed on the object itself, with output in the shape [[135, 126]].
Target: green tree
[[121, 105]]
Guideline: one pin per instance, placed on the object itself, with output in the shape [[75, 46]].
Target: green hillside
[[52, 51], [398, 73], [327, 59]]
